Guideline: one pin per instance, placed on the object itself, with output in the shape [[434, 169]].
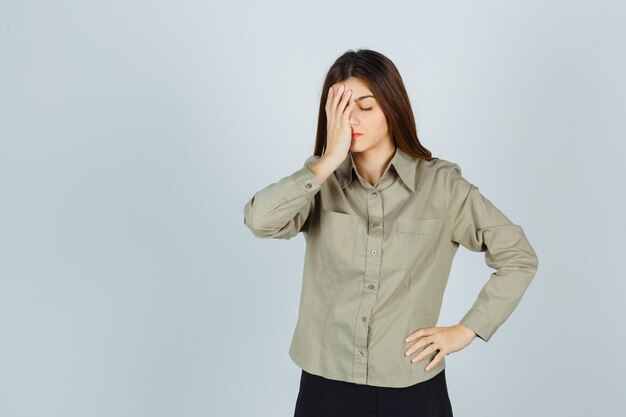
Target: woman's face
[[366, 118]]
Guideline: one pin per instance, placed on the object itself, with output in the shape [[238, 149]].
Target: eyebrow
[[362, 97]]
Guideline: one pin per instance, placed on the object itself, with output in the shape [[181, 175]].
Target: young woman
[[382, 220]]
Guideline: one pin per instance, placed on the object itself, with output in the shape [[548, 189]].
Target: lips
[[356, 134]]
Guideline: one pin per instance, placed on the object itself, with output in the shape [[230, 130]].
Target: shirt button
[[364, 318], [376, 224], [374, 252], [374, 194], [308, 185], [371, 286], [361, 352]]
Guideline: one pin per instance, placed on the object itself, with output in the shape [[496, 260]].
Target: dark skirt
[[322, 397]]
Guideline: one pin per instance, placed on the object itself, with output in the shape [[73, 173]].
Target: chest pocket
[[337, 237], [416, 238]]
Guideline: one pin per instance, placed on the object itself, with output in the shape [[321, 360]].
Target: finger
[[336, 99], [419, 333], [416, 346], [435, 360], [344, 102], [348, 110], [329, 98], [424, 341], [413, 336], [424, 353]]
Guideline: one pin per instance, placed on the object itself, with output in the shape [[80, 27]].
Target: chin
[[357, 147]]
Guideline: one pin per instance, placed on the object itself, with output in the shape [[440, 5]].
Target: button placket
[[371, 278]]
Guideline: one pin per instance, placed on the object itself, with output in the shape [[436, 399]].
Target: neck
[[371, 164]]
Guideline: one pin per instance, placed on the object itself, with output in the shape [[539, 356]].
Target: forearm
[[281, 209], [324, 167]]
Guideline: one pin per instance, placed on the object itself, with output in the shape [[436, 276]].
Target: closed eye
[[370, 108]]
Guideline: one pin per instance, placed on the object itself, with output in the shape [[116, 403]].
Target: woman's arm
[[481, 227], [281, 209]]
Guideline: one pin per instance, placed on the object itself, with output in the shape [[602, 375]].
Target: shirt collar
[[404, 164]]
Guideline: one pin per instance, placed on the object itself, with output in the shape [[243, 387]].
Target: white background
[[132, 133]]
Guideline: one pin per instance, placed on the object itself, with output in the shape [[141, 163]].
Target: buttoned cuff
[[306, 183], [480, 324]]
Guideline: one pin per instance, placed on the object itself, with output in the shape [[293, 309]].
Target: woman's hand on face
[[445, 339], [339, 133]]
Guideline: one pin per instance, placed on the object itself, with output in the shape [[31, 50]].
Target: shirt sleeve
[[281, 210], [481, 227]]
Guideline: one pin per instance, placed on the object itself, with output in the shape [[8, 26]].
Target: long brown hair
[[383, 78]]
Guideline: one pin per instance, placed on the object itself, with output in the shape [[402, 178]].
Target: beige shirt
[[378, 258]]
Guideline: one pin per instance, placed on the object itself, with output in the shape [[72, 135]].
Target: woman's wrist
[[468, 330]]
